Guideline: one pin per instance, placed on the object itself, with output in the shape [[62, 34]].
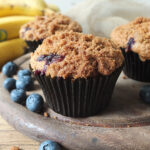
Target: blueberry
[[9, 69], [130, 43], [49, 145], [24, 72], [9, 84], [18, 96], [34, 102], [25, 83], [145, 93]]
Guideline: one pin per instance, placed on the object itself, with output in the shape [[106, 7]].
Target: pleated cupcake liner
[[32, 45], [79, 97], [135, 68]]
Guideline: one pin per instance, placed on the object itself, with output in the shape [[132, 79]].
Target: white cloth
[[99, 17]]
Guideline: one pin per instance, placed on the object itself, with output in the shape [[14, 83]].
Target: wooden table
[[10, 137]]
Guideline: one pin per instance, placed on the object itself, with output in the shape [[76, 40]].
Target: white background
[[64, 5]]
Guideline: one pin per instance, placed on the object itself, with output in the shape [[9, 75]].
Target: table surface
[[9, 137]]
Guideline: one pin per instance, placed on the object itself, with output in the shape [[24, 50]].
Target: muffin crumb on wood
[[46, 114], [15, 148]]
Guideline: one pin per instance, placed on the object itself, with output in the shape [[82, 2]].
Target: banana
[[53, 7], [47, 11], [11, 49], [10, 26], [25, 7], [39, 4], [19, 10]]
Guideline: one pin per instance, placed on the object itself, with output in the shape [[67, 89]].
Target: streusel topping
[[134, 36], [76, 55], [44, 26]]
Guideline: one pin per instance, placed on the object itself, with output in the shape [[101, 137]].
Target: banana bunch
[[10, 26], [13, 14], [11, 46]]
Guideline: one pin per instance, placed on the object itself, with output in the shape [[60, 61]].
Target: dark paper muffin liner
[[135, 68], [32, 45], [80, 97]]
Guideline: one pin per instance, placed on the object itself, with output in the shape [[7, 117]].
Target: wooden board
[[9, 137], [124, 125]]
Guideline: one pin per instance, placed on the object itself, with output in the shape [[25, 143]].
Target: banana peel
[[38, 4], [11, 49], [10, 26], [53, 7], [25, 8]]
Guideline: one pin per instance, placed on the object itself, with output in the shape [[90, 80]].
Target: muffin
[[77, 72], [36, 31], [134, 41]]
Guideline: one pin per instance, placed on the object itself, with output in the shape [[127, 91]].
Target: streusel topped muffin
[[134, 36], [76, 55], [44, 26], [74, 69], [134, 41], [37, 30]]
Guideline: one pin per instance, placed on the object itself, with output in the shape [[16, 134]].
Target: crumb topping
[[80, 56], [44, 26], [136, 33]]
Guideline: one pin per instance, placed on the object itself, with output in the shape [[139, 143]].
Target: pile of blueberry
[[18, 88]]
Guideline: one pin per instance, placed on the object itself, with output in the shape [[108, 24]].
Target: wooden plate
[[124, 125]]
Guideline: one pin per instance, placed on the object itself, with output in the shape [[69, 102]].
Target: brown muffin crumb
[[44, 26], [46, 114], [124, 77], [15, 148], [55, 117], [138, 32], [79, 56]]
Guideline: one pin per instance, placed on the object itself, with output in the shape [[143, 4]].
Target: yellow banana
[[24, 7], [10, 26], [18, 10], [39, 4], [11, 49], [47, 11], [53, 7]]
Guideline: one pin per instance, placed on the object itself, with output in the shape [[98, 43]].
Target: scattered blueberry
[[145, 93], [18, 96], [9, 69], [25, 83], [24, 72], [9, 84], [34, 102], [49, 145]]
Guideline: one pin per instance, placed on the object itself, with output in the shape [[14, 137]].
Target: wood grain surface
[[9, 137]]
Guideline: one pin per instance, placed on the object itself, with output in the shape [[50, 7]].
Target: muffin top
[[75, 55], [44, 26], [134, 36]]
